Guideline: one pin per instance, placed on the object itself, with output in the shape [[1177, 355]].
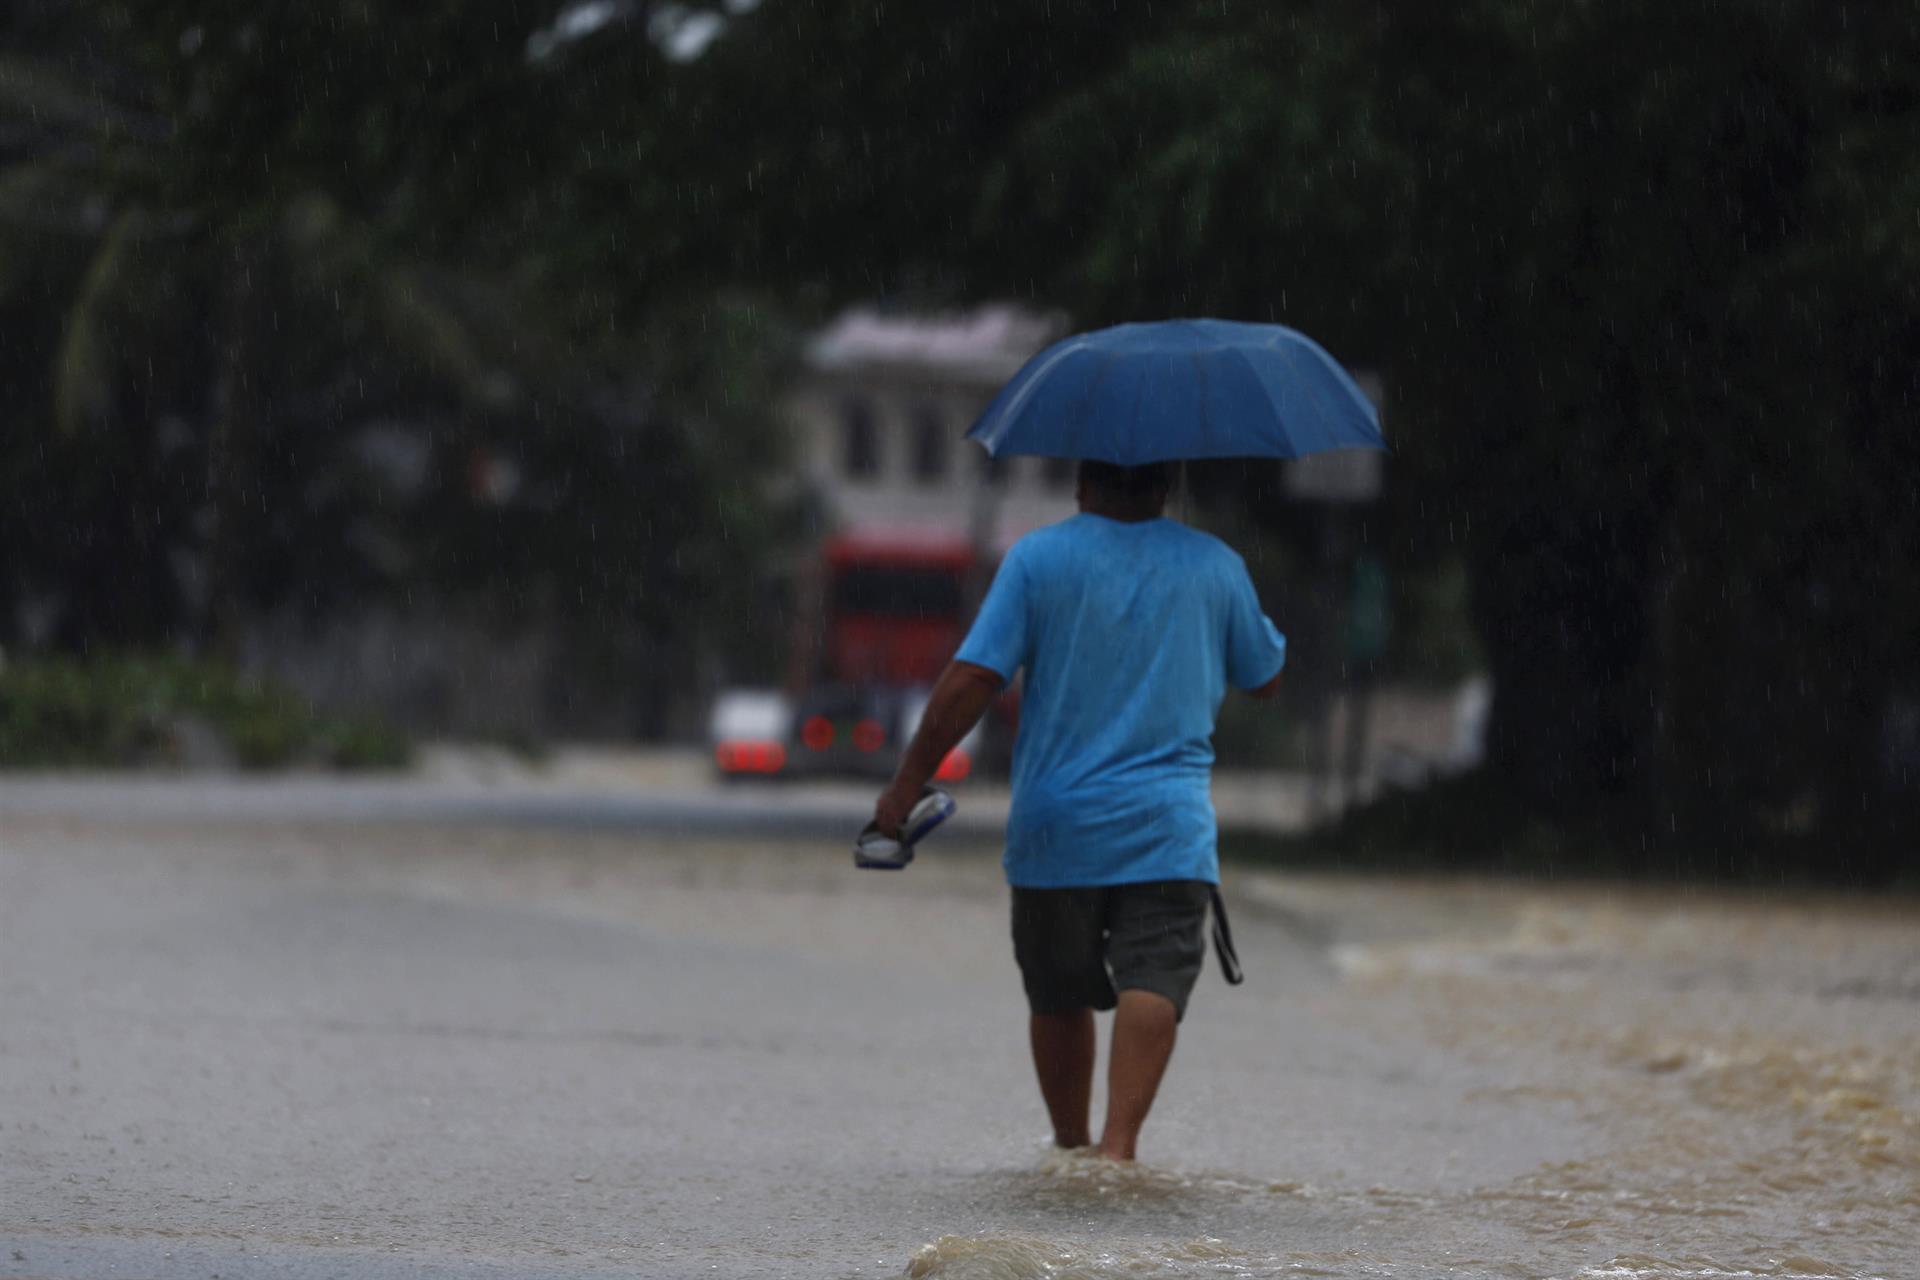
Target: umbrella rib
[[1093, 385], [1198, 358], [1011, 414], [1310, 385]]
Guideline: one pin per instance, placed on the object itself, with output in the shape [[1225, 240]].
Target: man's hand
[[954, 707], [895, 803]]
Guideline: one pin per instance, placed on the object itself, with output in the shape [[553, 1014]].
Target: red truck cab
[[882, 612], [895, 606]]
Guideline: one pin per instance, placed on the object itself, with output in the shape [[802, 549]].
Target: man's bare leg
[[1063, 1047], [1144, 1026]]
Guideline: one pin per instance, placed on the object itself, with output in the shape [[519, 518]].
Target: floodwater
[[1748, 1070], [538, 1053]]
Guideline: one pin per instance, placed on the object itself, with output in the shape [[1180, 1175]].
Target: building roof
[[987, 344]]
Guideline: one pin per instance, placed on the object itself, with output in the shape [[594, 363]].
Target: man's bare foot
[[1072, 1142]]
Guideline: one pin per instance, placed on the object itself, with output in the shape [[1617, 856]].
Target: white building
[[882, 410]]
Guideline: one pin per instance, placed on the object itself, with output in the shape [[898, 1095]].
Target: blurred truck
[[879, 613]]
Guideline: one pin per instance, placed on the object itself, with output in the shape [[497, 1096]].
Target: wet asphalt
[[309, 1033]]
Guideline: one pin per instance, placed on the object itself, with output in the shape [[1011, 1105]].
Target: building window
[[860, 439], [1056, 474], [929, 445]]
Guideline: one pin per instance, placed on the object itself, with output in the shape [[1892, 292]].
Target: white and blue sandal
[[876, 852]]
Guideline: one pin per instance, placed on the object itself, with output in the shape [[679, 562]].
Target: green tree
[[285, 232], [210, 310], [1660, 237]]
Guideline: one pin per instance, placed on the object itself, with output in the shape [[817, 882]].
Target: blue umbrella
[[1140, 393]]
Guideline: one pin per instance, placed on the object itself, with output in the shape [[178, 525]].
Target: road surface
[[310, 1034], [661, 792]]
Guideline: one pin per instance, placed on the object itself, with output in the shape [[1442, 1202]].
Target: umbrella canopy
[[1140, 393]]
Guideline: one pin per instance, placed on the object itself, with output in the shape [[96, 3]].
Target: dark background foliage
[[1641, 278]]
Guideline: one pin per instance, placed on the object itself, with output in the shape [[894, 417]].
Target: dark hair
[[1155, 480]]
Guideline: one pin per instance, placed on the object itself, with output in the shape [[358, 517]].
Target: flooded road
[[421, 1049]]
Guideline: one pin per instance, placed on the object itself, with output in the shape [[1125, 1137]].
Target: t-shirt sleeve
[[1255, 648], [1000, 634]]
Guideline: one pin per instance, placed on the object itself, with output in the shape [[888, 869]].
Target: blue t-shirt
[[1130, 634]]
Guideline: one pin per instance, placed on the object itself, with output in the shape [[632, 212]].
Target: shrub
[[129, 711]]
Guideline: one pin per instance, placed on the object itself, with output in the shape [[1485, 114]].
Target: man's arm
[[1254, 644], [959, 699]]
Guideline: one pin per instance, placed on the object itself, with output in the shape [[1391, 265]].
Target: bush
[[1473, 824], [364, 744], [58, 714], [132, 711]]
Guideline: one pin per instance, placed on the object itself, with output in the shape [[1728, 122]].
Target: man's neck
[[1125, 512]]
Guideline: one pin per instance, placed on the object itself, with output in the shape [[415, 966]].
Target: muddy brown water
[[581, 1054]]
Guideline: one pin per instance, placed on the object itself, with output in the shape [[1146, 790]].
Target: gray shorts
[[1078, 947]]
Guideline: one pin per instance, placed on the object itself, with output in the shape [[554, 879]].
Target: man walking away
[[1129, 628]]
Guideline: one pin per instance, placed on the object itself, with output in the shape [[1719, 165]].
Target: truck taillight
[[750, 757], [817, 733], [869, 736], [955, 767]]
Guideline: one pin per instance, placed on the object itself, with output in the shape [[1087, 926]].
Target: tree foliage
[[297, 286], [1662, 239]]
